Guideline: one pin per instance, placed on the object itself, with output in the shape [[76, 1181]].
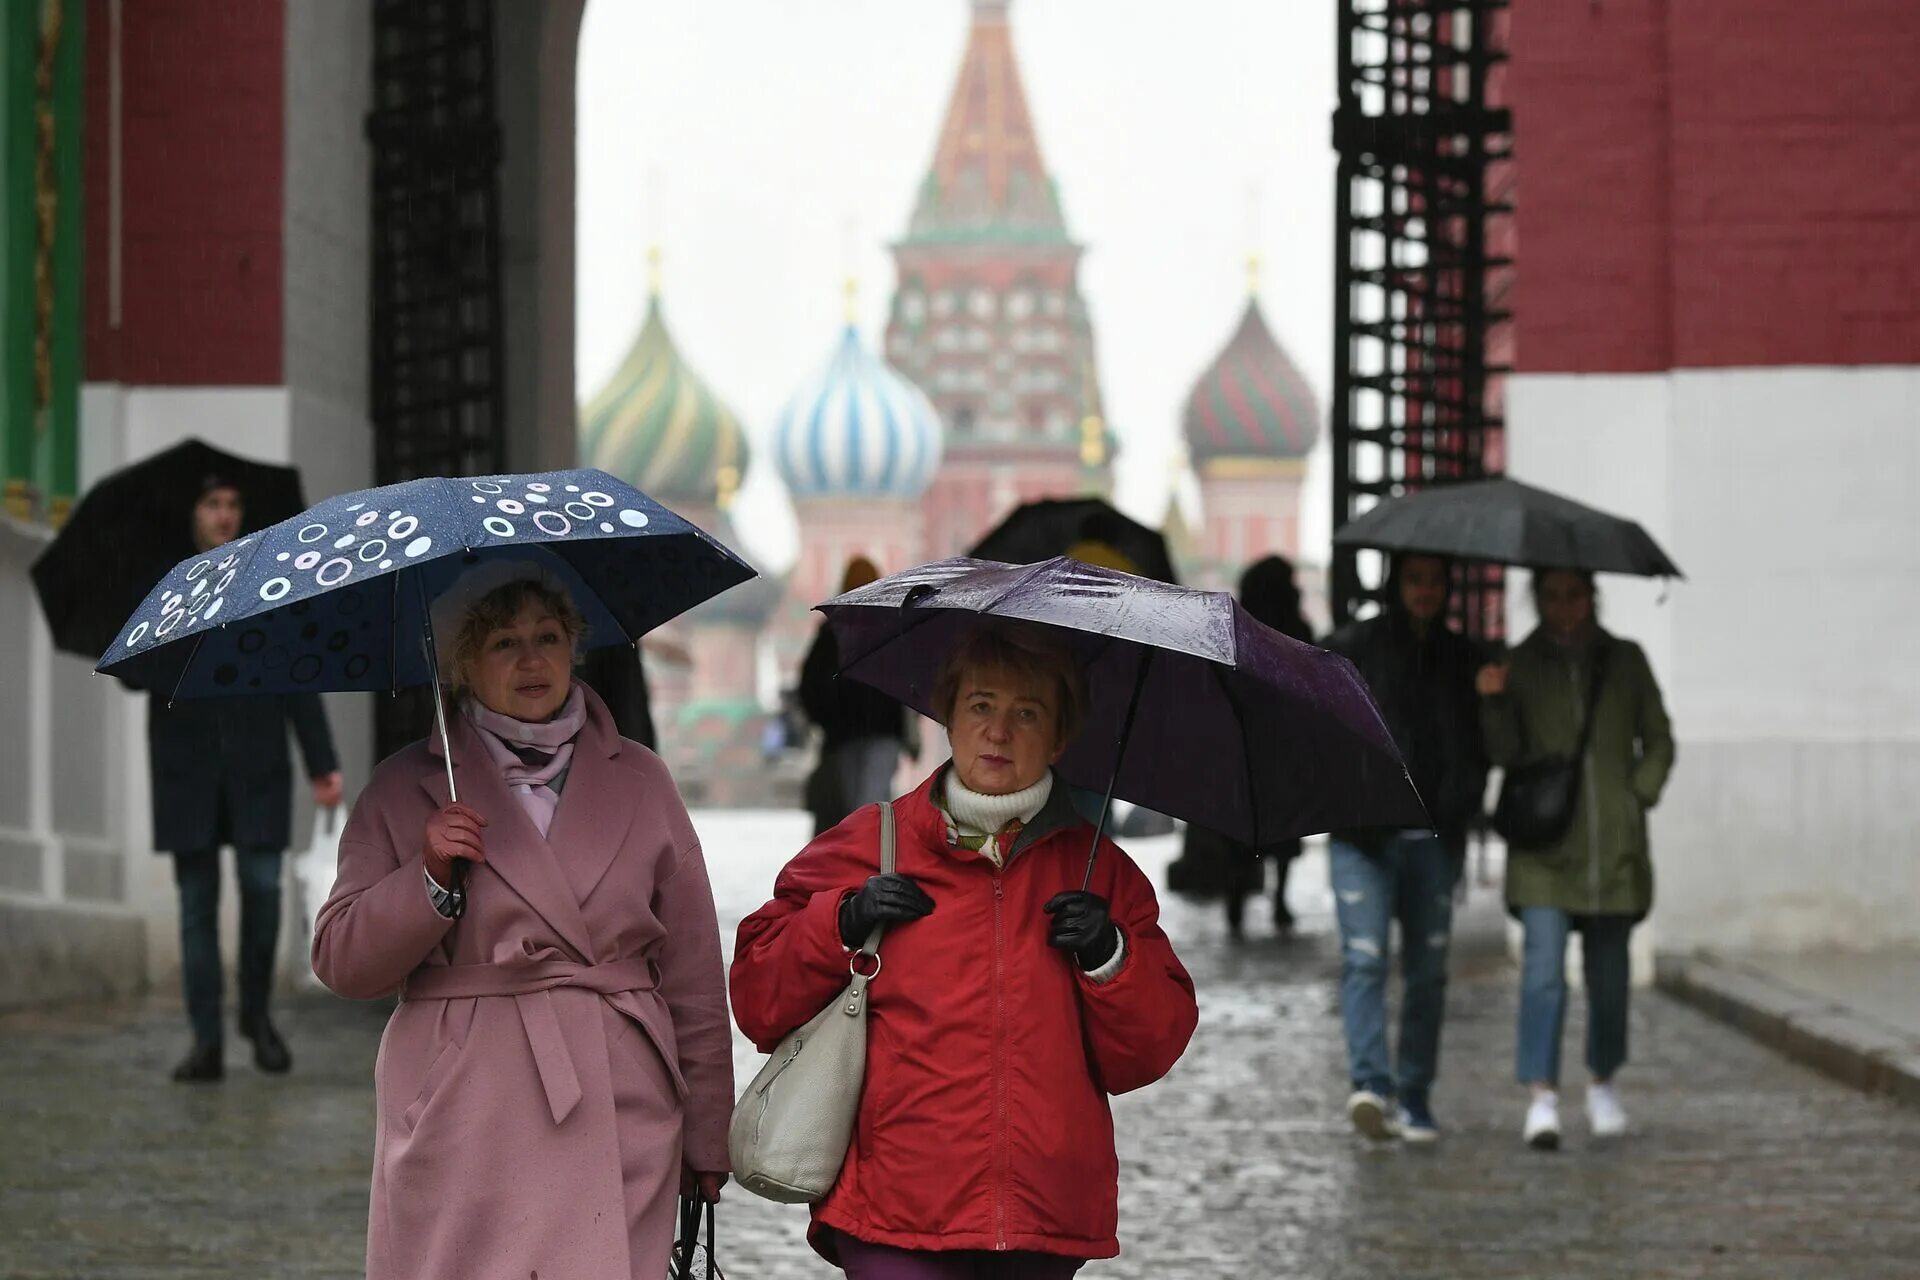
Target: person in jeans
[[1421, 673], [1598, 878]]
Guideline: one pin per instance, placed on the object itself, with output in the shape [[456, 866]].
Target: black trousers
[[197, 876]]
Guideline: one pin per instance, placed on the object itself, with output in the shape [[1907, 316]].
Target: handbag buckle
[[853, 965]]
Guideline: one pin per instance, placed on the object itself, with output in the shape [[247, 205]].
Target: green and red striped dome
[[658, 426], [1252, 402]]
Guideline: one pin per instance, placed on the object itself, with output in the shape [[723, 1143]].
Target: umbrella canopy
[[136, 522], [1057, 526], [335, 598], [1238, 727], [1507, 522]]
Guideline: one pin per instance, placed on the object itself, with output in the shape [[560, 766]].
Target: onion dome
[[659, 427], [1252, 402], [857, 428]]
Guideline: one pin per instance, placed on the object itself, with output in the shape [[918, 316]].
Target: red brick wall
[[202, 171], [1716, 183]]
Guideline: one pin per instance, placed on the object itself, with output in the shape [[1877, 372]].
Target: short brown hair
[[1016, 646], [498, 608]]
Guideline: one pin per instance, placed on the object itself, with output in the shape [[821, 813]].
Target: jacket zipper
[[999, 1066]]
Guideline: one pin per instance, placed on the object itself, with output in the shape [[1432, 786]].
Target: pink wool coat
[[558, 1048]]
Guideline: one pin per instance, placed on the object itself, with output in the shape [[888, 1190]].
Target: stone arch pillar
[[536, 55]]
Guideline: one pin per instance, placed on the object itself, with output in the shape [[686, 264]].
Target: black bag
[[1537, 800], [693, 1260]]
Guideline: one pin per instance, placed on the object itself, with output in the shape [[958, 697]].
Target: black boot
[[207, 1064], [270, 1052]]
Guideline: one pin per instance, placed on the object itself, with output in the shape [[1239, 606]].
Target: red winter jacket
[[984, 1122]]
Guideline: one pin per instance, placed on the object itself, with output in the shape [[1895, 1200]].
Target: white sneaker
[[1372, 1115], [1604, 1112], [1543, 1122]]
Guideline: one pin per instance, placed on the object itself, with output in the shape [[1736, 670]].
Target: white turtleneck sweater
[[975, 814]]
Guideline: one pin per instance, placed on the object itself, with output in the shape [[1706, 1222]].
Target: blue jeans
[[197, 875], [1410, 880], [1543, 993]]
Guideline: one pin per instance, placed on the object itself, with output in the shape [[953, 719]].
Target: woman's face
[[1004, 730], [525, 668], [1566, 602]]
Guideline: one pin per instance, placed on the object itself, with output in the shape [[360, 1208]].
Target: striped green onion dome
[[1252, 402], [659, 427]]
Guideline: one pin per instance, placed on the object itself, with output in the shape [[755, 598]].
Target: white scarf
[[976, 814]]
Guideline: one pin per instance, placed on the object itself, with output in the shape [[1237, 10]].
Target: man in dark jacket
[[221, 774], [1421, 673]]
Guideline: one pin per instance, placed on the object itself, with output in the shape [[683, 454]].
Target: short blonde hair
[[1016, 646], [498, 608]]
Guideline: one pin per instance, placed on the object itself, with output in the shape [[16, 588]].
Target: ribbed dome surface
[[658, 426], [1252, 402], [857, 428]]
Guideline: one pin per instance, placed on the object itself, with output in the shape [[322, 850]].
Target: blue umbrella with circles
[[337, 598]]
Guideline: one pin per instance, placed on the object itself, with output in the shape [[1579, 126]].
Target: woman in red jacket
[[1011, 1004]]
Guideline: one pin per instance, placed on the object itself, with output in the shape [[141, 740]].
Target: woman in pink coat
[[559, 1068]]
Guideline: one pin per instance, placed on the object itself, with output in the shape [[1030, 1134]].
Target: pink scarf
[[533, 783]]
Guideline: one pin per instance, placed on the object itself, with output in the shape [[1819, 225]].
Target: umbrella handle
[[1119, 755]]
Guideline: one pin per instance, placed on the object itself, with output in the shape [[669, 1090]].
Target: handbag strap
[[1593, 700], [871, 947]]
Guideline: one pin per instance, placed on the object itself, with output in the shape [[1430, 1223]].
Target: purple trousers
[[863, 1261]]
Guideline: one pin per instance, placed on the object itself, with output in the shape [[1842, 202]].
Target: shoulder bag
[[1537, 800], [791, 1128]]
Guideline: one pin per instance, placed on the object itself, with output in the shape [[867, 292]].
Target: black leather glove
[[888, 899], [1083, 927]]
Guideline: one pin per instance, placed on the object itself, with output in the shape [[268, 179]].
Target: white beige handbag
[[792, 1126]]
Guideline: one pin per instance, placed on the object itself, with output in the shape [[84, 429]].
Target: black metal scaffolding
[[1422, 263], [438, 359]]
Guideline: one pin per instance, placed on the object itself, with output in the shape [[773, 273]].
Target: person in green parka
[[1599, 877]]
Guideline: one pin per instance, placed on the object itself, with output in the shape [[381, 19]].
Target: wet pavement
[[1240, 1164]]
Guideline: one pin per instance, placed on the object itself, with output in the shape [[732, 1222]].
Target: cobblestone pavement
[[1240, 1164]]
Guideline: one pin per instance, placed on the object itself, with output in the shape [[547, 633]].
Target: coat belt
[[530, 986]]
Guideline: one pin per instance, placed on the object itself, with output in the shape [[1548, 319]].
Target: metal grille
[[438, 359], [1423, 262]]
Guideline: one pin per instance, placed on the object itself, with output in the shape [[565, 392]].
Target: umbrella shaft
[[1119, 757], [459, 868]]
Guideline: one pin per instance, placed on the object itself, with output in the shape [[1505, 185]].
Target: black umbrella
[[134, 525], [1056, 526], [1507, 522], [1255, 734]]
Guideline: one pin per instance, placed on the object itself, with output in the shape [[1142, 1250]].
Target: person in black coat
[[1269, 593], [221, 776], [863, 731], [1421, 673], [617, 674]]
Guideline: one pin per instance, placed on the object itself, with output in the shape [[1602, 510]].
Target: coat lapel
[[597, 808], [515, 851]]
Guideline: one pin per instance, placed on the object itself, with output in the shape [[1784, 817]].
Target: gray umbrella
[[1507, 522]]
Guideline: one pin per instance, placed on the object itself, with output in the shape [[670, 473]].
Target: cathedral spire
[[988, 180]]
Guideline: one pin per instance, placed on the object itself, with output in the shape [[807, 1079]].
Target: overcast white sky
[[770, 146]]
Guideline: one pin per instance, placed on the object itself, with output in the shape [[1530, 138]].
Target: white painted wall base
[[1793, 819]]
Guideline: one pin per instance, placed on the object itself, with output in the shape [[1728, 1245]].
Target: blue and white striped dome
[[857, 428]]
